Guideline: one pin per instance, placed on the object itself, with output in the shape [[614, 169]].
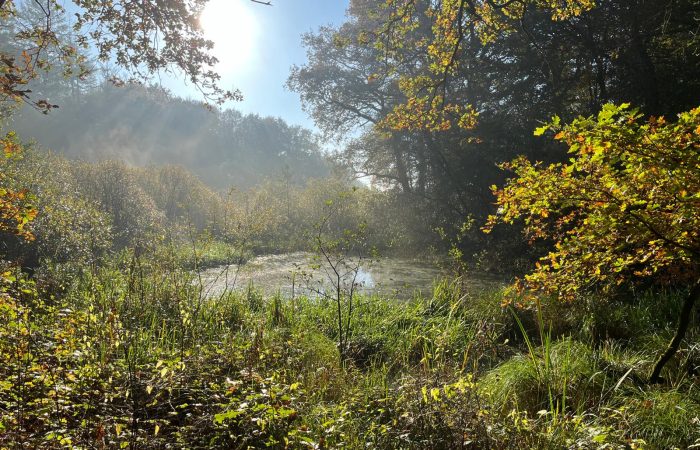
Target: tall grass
[[132, 354]]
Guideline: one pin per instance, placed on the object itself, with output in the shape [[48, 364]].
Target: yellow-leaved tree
[[450, 22], [625, 207]]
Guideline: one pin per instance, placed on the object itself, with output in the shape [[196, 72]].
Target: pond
[[298, 273]]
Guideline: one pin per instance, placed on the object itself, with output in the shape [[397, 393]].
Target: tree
[[625, 207], [453, 24], [606, 50], [140, 37], [380, 74], [60, 78], [341, 252], [348, 87]]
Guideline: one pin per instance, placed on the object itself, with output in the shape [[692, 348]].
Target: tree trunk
[[683, 322], [401, 172], [646, 71]]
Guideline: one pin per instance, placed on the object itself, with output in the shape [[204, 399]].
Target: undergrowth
[[131, 355]]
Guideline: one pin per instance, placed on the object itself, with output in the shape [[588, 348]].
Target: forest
[[488, 239]]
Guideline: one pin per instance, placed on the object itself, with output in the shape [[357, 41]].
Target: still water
[[299, 273]]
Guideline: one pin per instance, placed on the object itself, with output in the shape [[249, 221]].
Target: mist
[[144, 126], [487, 237]]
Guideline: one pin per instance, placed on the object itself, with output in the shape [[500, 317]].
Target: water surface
[[299, 273]]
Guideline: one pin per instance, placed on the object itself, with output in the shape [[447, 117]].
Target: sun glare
[[234, 30]]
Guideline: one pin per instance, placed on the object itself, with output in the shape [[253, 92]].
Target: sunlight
[[234, 29]]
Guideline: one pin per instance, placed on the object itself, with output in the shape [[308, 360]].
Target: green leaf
[[220, 418], [539, 131], [600, 439]]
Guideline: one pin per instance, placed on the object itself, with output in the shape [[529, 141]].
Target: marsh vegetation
[[491, 240]]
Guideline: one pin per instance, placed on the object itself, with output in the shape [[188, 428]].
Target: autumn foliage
[[16, 209], [626, 206], [450, 22]]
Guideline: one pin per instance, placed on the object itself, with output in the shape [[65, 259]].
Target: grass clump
[[561, 380], [663, 418]]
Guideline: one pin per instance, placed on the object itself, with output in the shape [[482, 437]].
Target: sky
[[257, 45]]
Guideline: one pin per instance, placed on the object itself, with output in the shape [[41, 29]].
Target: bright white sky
[[256, 46]]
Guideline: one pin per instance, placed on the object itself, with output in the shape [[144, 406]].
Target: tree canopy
[[140, 37], [625, 207], [435, 132]]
